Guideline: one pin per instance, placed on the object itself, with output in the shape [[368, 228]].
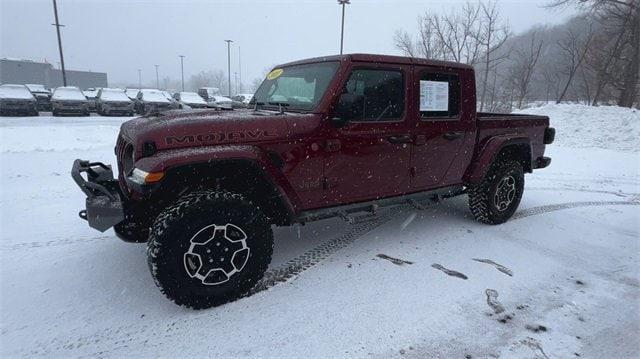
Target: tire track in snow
[[585, 190], [51, 243], [560, 206], [314, 256]]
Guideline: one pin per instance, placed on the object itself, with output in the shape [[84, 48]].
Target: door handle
[[400, 139], [333, 145], [452, 135]]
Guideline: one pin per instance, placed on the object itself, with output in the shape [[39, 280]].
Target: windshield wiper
[[280, 105], [256, 104]]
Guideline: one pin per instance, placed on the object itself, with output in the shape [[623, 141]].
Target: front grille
[[124, 155]]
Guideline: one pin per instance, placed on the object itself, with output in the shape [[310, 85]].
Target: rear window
[[439, 96]]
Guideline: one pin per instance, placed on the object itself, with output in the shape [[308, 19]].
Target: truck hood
[[195, 128]]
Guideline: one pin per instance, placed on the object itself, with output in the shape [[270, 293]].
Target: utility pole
[[139, 79], [182, 70], [157, 79], [229, 63], [239, 71], [58, 26], [343, 3]]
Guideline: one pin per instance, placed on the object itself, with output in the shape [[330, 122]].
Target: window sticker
[[434, 96], [274, 74]]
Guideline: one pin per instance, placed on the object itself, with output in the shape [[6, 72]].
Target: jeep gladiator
[[322, 137]]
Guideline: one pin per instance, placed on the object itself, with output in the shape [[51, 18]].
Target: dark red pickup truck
[[324, 137]]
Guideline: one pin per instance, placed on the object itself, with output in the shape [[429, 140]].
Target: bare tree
[[621, 21], [216, 78], [452, 37], [574, 46], [523, 66], [491, 36]]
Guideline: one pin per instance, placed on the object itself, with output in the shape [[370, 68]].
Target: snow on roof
[[68, 93], [113, 94], [15, 92]]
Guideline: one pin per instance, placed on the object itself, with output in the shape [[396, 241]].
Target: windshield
[[36, 88], [113, 95], [68, 93], [191, 97], [154, 96], [300, 87], [221, 99], [15, 91]]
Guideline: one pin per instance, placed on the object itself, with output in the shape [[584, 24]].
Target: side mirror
[[350, 107]]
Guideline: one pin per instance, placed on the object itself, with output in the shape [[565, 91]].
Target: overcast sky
[[118, 37]]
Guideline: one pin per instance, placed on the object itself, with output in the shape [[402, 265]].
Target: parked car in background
[[69, 100], [151, 100], [207, 93], [42, 95], [174, 103], [132, 93], [222, 102], [92, 96], [114, 101], [17, 99], [190, 99], [243, 97]]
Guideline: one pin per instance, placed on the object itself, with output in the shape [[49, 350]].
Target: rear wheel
[[208, 248], [497, 197]]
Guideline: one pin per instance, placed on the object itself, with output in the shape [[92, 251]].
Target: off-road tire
[[171, 238], [481, 196]]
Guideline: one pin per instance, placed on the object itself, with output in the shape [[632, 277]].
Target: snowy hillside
[[559, 280], [581, 126]]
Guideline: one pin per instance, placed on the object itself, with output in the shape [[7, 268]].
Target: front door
[[368, 158]]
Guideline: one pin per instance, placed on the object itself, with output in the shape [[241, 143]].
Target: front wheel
[[208, 248], [497, 197]]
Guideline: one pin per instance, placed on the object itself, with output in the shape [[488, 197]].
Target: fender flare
[[210, 155], [487, 155]]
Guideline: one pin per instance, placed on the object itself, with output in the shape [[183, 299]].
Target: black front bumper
[[104, 207]]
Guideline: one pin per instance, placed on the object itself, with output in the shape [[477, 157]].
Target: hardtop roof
[[388, 59]]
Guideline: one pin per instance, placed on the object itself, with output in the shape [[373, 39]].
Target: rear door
[[441, 129], [369, 157]]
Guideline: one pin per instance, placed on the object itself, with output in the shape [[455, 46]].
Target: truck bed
[[531, 127]]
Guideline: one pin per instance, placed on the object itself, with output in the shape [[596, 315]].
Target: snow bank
[[581, 126]]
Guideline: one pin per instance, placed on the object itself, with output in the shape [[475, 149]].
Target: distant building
[[15, 71]]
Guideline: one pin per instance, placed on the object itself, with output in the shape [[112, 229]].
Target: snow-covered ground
[[580, 126], [561, 279]]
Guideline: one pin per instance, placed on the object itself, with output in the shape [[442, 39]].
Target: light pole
[[239, 71], [343, 3], [139, 78], [182, 70], [229, 64], [157, 79], [235, 78], [58, 26]]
